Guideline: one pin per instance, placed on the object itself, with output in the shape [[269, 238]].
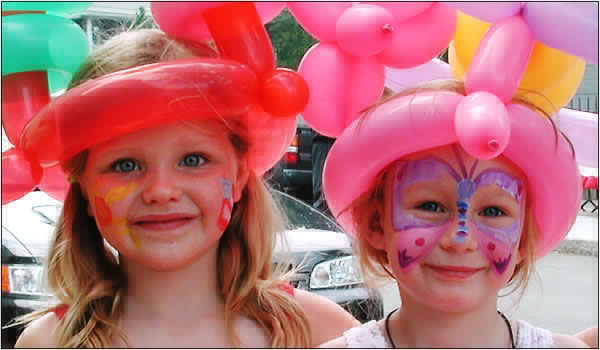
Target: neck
[[418, 326], [188, 292]]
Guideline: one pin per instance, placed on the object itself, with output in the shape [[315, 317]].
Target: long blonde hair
[[367, 210], [85, 275]]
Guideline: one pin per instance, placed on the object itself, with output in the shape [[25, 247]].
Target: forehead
[[449, 155], [172, 134]]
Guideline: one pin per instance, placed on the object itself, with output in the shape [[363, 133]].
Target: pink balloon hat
[[484, 122]]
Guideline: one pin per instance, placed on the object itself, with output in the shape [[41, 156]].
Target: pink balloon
[[403, 11], [421, 38], [326, 70], [19, 175], [365, 30], [501, 60], [54, 183], [318, 18], [482, 125], [367, 81], [183, 20]]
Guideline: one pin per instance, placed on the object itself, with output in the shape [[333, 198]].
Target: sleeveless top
[[369, 335], [60, 310]]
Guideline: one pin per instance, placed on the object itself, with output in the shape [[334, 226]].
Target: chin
[[450, 303]]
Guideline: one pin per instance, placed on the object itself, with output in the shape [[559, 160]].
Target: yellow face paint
[[119, 193], [119, 225]]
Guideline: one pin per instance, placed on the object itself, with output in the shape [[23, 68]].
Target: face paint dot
[[491, 246], [420, 241]]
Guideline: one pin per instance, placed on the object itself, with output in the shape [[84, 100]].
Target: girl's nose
[[161, 189], [459, 238]]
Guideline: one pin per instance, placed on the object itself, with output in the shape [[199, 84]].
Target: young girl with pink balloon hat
[[165, 142], [454, 190]]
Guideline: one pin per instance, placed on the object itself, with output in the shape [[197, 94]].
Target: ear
[[241, 180], [375, 234]]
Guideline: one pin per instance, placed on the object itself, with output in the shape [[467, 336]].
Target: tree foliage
[[289, 39]]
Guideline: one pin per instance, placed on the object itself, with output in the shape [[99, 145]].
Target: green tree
[[289, 39]]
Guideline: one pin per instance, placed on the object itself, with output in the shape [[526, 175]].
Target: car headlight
[[335, 273], [23, 279]]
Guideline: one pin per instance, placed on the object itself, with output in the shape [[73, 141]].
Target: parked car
[[293, 173], [316, 247]]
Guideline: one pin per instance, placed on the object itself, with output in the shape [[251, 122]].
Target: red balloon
[[23, 96], [269, 138], [19, 175], [284, 93], [54, 183], [138, 98], [240, 35]]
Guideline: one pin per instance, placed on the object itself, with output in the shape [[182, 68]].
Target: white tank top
[[369, 335]]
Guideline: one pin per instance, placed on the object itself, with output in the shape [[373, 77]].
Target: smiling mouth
[[163, 225], [454, 272]]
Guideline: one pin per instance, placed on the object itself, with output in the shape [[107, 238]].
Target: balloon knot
[[387, 28]]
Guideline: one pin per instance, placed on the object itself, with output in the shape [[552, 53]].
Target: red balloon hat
[[243, 84]]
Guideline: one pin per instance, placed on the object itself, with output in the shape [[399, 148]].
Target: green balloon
[[38, 42], [58, 80], [58, 7]]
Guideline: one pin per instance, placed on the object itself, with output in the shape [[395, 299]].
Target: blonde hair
[[367, 210], [85, 275]]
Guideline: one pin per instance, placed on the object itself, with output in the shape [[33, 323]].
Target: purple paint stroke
[[461, 163], [510, 234], [404, 260], [473, 167], [465, 190], [502, 264], [502, 179]]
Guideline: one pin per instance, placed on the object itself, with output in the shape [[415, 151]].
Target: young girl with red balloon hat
[[454, 190], [165, 142]]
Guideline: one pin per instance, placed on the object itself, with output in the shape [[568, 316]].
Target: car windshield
[[301, 215]]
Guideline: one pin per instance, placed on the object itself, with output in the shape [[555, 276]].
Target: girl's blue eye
[[125, 166], [492, 211], [430, 206], [193, 160]]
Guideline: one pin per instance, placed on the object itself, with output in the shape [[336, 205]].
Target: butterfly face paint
[[104, 211], [419, 236], [227, 204]]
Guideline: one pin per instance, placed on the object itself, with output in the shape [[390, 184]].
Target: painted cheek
[[226, 204], [416, 243], [497, 251], [102, 211]]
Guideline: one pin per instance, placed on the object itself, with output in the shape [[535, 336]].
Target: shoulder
[[327, 319], [589, 336], [40, 333], [567, 341]]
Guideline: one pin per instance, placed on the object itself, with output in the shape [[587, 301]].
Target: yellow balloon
[[551, 100], [550, 80], [455, 67], [469, 32]]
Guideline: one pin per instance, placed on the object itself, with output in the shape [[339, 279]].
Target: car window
[[301, 215]]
